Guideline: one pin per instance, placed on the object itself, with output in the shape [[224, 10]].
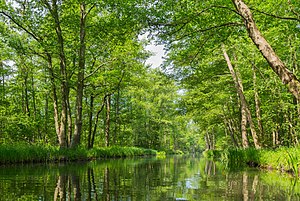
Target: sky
[[157, 59], [158, 52]]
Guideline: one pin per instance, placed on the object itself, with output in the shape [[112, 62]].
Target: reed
[[236, 158], [24, 153], [283, 159], [293, 162]]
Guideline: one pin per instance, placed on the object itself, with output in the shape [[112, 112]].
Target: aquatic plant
[[293, 162], [233, 158]]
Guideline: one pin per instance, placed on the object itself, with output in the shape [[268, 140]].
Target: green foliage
[[172, 109], [282, 159], [236, 158], [24, 153], [212, 154], [193, 38], [293, 162]]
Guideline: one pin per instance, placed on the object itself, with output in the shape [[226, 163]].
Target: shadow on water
[[173, 178]]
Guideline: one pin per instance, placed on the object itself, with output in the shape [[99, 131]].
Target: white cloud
[[157, 50], [157, 59]]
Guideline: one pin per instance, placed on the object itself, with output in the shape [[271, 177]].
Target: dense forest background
[[73, 73]]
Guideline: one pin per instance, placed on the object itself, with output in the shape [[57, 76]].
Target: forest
[[74, 73]]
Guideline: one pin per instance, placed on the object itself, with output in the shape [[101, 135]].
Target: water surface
[[149, 179]]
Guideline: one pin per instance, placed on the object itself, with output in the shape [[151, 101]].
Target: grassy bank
[[283, 159], [20, 153]]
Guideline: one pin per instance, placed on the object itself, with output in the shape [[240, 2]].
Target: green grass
[[283, 159], [23, 153]]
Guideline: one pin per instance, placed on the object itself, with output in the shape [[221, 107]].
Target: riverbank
[[23, 153], [282, 159]]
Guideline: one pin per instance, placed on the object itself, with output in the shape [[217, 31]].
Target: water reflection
[[174, 178]]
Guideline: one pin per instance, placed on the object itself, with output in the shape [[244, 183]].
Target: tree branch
[[100, 66], [293, 10], [275, 16], [210, 28], [21, 26]]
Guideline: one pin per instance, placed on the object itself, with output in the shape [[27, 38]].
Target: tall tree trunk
[[91, 111], [46, 117], [275, 136], [96, 122], [117, 109], [70, 123], [63, 73], [34, 108], [244, 103], [257, 105], [209, 141], [107, 122], [233, 125], [245, 142], [26, 104], [2, 95], [80, 79], [266, 50], [230, 129], [61, 138], [244, 115], [288, 118]]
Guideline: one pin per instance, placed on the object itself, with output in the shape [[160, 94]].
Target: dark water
[[173, 178]]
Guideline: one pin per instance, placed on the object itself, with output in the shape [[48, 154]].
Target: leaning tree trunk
[[244, 103], [266, 50], [245, 142]]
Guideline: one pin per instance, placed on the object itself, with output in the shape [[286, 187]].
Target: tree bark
[[80, 79], [287, 77], [117, 118], [96, 121], [107, 122], [257, 105], [63, 72], [231, 131], [26, 104], [46, 111], [91, 111], [244, 103], [60, 137], [245, 142]]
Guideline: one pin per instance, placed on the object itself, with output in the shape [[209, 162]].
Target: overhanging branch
[[20, 26]]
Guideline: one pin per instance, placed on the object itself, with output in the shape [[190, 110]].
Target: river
[[150, 179]]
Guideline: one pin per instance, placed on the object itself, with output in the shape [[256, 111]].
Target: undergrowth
[[284, 159], [24, 153]]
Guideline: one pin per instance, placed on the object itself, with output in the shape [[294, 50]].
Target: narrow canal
[[149, 179]]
